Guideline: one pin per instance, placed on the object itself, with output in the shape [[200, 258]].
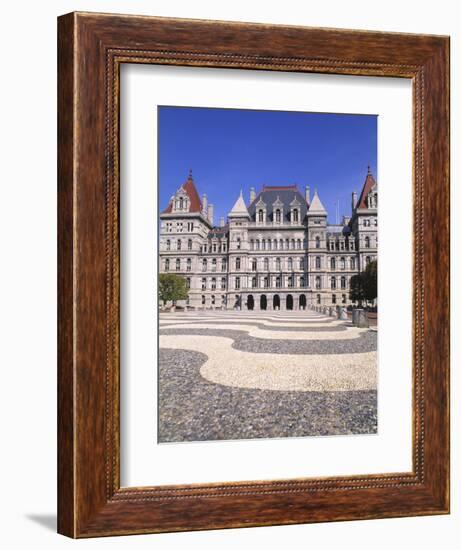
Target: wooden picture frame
[[91, 49]]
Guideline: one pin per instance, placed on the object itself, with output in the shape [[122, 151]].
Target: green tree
[[357, 288], [371, 281], [172, 288]]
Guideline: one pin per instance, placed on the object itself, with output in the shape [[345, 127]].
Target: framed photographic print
[[253, 275]]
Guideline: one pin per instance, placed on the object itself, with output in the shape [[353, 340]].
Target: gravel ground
[[193, 409], [366, 341]]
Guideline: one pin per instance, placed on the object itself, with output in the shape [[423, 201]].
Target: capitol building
[[275, 252]]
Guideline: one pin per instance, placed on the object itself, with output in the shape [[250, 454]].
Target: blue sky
[[233, 149]]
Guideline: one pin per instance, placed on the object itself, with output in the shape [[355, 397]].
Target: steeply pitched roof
[[285, 194], [316, 206], [369, 183], [191, 190], [239, 208]]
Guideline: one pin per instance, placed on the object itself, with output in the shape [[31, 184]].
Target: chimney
[[354, 201], [252, 194], [204, 205], [210, 213], [222, 223], [308, 194]]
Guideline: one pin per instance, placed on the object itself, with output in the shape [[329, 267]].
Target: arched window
[[257, 244], [266, 264], [343, 282], [237, 283], [263, 244], [167, 264], [223, 283], [295, 215], [292, 244], [317, 242], [203, 300], [253, 282], [278, 282], [204, 264], [333, 263], [333, 283], [213, 264], [281, 244], [254, 264], [188, 282], [181, 203], [269, 244], [213, 283], [319, 298], [343, 263], [266, 282], [189, 264], [352, 263], [278, 216], [318, 282], [290, 281], [223, 264], [317, 262], [298, 244], [189, 244], [168, 244], [367, 242], [178, 264], [277, 264], [179, 244], [238, 243], [301, 281], [290, 264], [333, 298], [237, 264], [260, 215], [252, 244], [301, 263], [275, 244]]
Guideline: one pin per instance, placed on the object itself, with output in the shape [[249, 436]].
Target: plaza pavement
[[243, 375]]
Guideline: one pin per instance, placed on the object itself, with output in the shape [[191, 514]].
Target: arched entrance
[[263, 302], [302, 301], [289, 301], [276, 302], [250, 302]]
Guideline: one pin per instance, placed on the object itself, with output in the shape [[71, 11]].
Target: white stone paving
[[228, 366], [289, 372]]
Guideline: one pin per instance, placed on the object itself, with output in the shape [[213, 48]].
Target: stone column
[[270, 299]]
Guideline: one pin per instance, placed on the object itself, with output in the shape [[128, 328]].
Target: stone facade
[[277, 252]]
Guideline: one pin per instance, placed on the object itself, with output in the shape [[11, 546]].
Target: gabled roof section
[[367, 186], [239, 209], [316, 207], [189, 187], [285, 194]]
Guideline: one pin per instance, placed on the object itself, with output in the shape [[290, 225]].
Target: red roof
[[191, 190], [369, 183]]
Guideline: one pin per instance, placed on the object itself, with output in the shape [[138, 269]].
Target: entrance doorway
[[289, 301], [302, 301], [263, 302], [276, 302], [250, 302]]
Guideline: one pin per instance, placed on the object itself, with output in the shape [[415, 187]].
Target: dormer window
[[295, 215], [260, 215], [278, 216]]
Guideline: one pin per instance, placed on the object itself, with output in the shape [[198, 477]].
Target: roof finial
[[190, 173], [369, 170]]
